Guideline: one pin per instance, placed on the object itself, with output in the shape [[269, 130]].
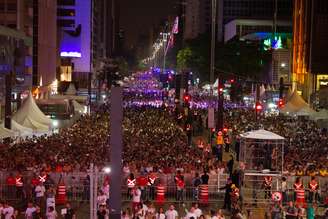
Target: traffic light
[[225, 130], [221, 90], [280, 103], [186, 98], [232, 81], [258, 107]]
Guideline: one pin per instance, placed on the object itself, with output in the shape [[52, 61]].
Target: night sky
[[138, 16]]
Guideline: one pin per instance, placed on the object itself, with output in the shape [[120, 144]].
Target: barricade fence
[[78, 188]]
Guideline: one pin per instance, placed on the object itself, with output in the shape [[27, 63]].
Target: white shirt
[[101, 199], [29, 212], [198, 212], [51, 215], [8, 212], [136, 195], [171, 214], [190, 215], [40, 190], [160, 216]]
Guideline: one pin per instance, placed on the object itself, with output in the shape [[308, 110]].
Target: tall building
[[44, 43], [229, 10], [310, 43], [34, 22], [197, 18], [88, 34]]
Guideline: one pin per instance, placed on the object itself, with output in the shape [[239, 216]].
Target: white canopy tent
[[71, 90], [30, 116], [23, 131], [321, 115], [6, 133], [297, 106], [261, 134], [78, 107], [262, 148]]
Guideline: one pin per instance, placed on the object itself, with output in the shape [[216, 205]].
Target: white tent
[[262, 90], [78, 107], [6, 133], [30, 116], [321, 115], [297, 106], [23, 131], [261, 134], [71, 90]]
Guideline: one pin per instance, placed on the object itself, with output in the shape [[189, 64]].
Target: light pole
[[164, 38]]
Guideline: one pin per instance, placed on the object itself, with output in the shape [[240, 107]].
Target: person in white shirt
[[51, 213], [136, 197], [39, 193], [198, 211], [8, 211], [171, 213], [101, 199], [191, 214], [160, 214], [29, 211]]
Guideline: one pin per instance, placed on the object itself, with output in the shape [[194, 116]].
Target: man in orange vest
[[180, 184], [234, 196], [267, 186], [151, 183], [313, 190], [298, 185]]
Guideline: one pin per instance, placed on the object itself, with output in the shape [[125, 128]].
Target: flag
[[175, 29]]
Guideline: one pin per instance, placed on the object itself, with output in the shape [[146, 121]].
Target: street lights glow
[[283, 65]]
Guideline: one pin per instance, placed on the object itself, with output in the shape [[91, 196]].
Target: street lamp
[[164, 44]]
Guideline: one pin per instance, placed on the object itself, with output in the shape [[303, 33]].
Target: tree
[[184, 59]]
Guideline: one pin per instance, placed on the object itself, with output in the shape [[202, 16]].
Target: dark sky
[[138, 16]]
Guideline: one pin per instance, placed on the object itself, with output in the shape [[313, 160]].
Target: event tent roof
[[6, 133], [296, 105], [78, 107], [71, 90], [261, 134], [20, 129], [30, 116]]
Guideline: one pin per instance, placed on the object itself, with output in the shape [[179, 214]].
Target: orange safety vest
[[313, 185], [131, 183], [19, 181]]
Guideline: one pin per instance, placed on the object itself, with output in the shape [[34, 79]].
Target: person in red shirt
[[180, 184], [142, 182]]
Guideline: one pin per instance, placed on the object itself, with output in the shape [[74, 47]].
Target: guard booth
[[262, 153]]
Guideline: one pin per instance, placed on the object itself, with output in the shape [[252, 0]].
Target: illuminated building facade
[[310, 43]]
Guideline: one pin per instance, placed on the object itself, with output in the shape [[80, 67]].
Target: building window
[[12, 7], [66, 23], [66, 2], [66, 12]]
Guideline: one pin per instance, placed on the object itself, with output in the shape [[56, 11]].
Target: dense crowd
[[306, 145]]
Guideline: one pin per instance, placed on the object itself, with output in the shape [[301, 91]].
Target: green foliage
[[242, 58], [184, 58]]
